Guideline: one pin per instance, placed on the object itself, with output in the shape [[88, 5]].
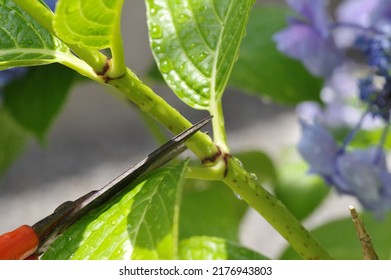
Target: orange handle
[[18, 244]]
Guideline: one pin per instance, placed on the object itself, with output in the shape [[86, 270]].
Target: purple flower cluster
[[362, 173], [309, 39], [324, 46]]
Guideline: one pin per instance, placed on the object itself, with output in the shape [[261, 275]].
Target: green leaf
[[140, 223], [12, 140], [263, 71], [24, 41], [340, 238], [213, 248], [36, 99], [299, 191], [210, 208], [88, 23], [195, 44]]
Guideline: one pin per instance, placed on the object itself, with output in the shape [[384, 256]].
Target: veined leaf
[[88, 23], [195, 44], [140, 223], [214, 248], [24, 41]]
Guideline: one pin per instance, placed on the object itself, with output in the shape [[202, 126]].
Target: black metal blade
[[67, 213]]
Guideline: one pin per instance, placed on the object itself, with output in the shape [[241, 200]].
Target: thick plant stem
[[219, 135], [117, 50], [273, 211], [143, 96]]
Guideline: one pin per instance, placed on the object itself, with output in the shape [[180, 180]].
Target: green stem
[[219, 135], [118, 67], [211, 173], [78, 65], [243, 184], [149, 102], [45, 17]]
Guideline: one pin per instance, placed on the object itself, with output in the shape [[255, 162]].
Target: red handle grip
[[18, 244]]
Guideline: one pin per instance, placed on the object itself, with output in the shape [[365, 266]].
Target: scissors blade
[[69, 212]]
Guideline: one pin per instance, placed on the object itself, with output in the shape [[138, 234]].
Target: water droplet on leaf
[[165, 65], [201, 56], [205, 91], [158, 48], [182, 18], [156, 32]]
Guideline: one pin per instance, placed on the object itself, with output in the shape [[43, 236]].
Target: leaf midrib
[[142, 220], [213, 92]]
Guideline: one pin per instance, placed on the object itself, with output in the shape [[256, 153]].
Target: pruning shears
[[31, 241]]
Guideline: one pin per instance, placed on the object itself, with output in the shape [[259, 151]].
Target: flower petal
[[302, 42], [318, 148], [357, 12], [314, 11], [358, 170]]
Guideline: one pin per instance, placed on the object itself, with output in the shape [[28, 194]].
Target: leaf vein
[[181, 43]]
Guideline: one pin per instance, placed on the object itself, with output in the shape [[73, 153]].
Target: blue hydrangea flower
[[377, 50], [357, 12], [318, 148], [341, 109], [362, 173], [369, 14], [309, 39]]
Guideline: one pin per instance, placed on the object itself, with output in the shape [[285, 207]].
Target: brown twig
[[365, 240]]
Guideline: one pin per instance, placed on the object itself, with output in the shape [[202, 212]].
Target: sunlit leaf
[[195, 44], [24, 41], [88, 23], [140, 223]]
